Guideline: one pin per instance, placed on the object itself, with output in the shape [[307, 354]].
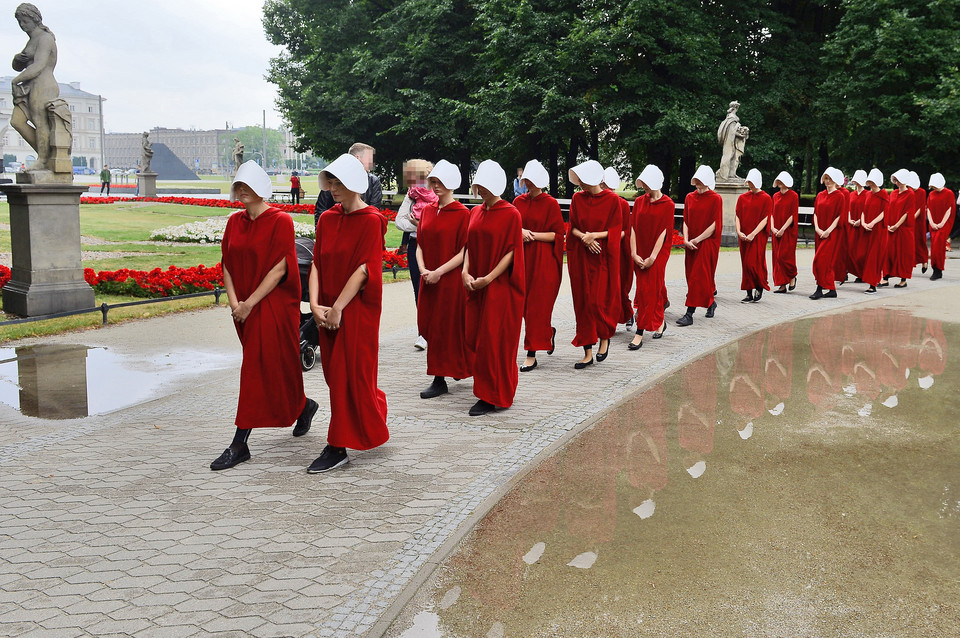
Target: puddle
[[804, 481], [54, 381]]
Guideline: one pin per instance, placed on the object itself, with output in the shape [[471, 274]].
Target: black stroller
[[309, 333]]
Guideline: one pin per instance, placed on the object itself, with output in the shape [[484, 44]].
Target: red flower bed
[[393, 258], [4, 276], [155, 283]]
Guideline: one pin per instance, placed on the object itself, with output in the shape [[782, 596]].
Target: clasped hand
[[474, 283], [430, 276], [241, 311], [327, 317], [590, 241]]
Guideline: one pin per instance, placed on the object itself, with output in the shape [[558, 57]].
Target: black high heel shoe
[[659, 334], [603, 355]]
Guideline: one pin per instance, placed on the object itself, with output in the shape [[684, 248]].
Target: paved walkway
[[114, 525]]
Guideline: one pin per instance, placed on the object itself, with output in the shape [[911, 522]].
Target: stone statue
[[146, 153], [237, 152], [39, 115], [732, 138]]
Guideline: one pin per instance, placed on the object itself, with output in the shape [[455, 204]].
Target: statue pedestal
[[47, 276], [147, 184], [730, 192]]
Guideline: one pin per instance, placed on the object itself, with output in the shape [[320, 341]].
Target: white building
[[85, 108]]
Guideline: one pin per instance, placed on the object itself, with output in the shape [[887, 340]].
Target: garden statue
[[732, 138], [39, 115], [147, 153], [237, 152]]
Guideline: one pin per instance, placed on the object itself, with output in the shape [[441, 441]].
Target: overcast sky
[[170, 63]]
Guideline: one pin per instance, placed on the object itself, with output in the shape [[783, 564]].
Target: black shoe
[[872, 290], [481, 407], [793, 284], [924, 269], [635, 346], [553, 342], [818, 294], [842, 281], [580, 365], [685, 320], [230, 457], [711, 310], [659, 335], [830, 294], [330, 459], [757, 296], [780, 291], [603, 355], [629, 323], [666, 304], [902, 284], [529, 368], [937, 274], [306, 417], [858, 281], [748, 298], [438, 387], [883, 284]]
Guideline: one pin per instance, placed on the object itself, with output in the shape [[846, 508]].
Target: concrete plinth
[[730, 192], [46, 276], [147, 184]]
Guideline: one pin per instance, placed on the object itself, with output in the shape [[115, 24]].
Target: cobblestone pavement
[[114, 525]]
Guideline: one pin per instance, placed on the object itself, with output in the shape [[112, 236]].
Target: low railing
[[105, 308]]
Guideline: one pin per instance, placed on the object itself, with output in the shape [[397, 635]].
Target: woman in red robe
[[346, 291], [828, 208], [941, 208], [543, 230], [872, 207], [855, 233], [754, 209], [263, 286], [441, 305], [493, 274], [898, 217], [702, 225], [611, 181], [783, 230], [921, 255], [593, 260], [651, 237]]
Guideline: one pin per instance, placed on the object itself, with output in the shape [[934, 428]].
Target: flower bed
[[298, 209], [4, 276], [210, 231], [155, 283]]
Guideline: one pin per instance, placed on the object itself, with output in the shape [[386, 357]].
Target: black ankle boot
[[438, 387]]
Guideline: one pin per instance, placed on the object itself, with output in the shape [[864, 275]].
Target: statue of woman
[[727, 137], [237, 152], [146, 154], [35, 86]]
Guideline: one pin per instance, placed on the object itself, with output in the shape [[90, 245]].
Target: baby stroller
[[309, 333]]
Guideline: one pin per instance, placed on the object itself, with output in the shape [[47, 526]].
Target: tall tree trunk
[[572, 152]]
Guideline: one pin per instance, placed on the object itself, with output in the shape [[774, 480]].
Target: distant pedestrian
[[105, 179], [373, 196], [417, 198], [519, 188], [260, 275], [940, 212], [295, 188], [783, 229]]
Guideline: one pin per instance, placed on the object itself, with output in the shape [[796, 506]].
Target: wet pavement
[[801, 481], [112, 524]]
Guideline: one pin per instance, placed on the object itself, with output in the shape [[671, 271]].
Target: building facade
[[85, 109], [200, 150]]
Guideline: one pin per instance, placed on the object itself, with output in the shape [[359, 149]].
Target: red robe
[[543, 267], [626, 262], [271, 380], [784, 253], [875, 241], [921, 255], [699, 211], [494, 313], [752, 208], [942, 206], [826, 208], [650, 219], [856, 239], [441, 307], [595, 279], [841, 259], [900, 246], [358, 408], [746, 384]]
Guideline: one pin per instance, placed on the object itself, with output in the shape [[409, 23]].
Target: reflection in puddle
[[53, 381], [761, 490]]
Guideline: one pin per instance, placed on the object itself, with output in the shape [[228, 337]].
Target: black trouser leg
[[240, 438]]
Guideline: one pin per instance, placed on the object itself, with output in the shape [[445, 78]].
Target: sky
[[167, 63]]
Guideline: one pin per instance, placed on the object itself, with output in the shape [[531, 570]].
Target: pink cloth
[[420, 198]]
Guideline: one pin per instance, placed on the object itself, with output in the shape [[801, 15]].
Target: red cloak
[[942, 206], [595, 279], [699, 211], [855, 234], [875, 241], [543, 267], [784, 257], [650, 219], [746, 384], [921, 254], [900, 246], [358, 408], [826, 208], [494, 313], [626, 262], [752, 208], [441, 307], [271, 380], [841, 261]]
